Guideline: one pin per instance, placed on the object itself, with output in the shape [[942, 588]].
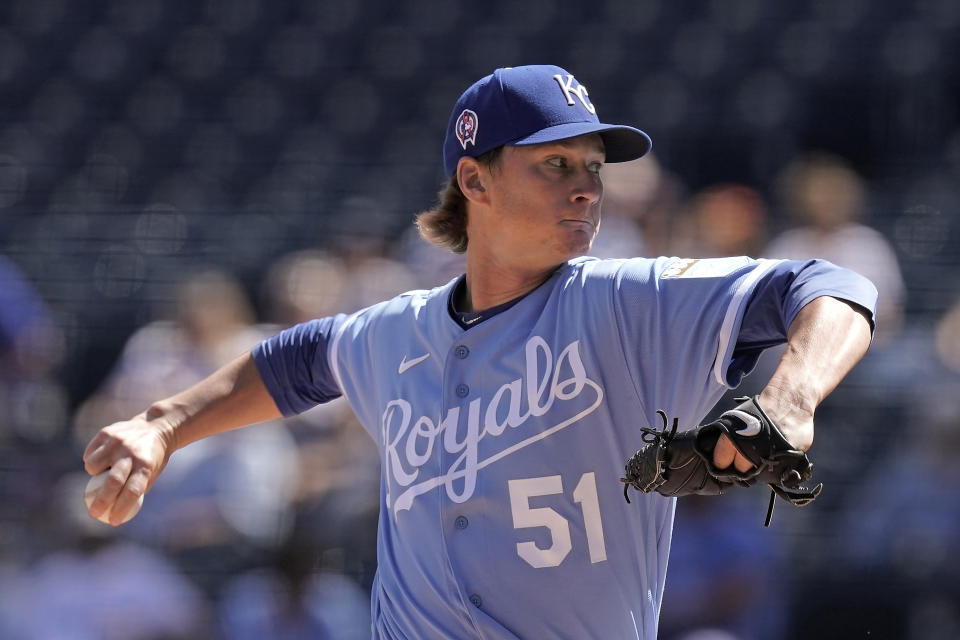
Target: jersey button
[[476, 601], [461, 352], [461, 522], [462, 390]]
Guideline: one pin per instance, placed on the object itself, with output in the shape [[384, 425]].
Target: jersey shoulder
[[591, 270], [654, 269], [413, 301], [425, 308]]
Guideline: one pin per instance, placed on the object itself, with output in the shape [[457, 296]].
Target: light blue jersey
[[502, 514]]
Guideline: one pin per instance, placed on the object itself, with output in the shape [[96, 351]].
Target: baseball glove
[[679, 464]]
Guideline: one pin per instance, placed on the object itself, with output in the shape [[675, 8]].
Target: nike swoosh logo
[[406, 364], [752, 426]]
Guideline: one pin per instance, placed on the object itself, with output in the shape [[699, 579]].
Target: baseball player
[[505, 402]]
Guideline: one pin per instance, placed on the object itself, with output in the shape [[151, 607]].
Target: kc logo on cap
[[566, 85]]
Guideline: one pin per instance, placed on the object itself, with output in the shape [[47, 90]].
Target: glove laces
[[652, 434]]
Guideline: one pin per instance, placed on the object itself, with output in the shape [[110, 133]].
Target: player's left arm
[[825, 339]]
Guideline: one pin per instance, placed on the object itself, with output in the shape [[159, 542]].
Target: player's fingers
[[93, 444], [94, 454], [742, 464], [135, 486], [723, 453], [98, 460], [107, 495]]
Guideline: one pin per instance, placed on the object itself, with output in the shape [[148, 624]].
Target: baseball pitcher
[[506, 403]]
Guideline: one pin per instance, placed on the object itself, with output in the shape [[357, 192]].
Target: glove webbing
[[651, 435]]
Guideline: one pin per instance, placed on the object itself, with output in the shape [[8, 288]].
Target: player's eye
[[594, 167], [557, 161]]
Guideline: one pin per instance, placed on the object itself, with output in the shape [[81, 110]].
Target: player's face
[[546, 199]]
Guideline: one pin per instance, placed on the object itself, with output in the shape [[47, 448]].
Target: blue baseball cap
[[531, 105]]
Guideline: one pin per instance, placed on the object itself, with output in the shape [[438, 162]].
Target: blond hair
[[445, 225]]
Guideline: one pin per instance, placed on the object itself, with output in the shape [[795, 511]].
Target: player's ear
[[471, 178]]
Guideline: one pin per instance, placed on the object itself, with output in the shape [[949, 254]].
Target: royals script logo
[[546, 390]]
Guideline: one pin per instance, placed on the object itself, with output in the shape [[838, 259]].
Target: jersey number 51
[[585, 494]]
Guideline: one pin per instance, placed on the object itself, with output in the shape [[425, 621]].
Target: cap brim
[[622, 143]]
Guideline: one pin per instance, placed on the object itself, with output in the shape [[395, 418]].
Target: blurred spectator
[[725, 220], [429, 265], [213, 324], [911, 523], [97, 585], [337, 496], [725, 578], [32, 402], [894, 573], [119, 591], [640, 201], [33, 413], [924, 355], [294, 599], [627, 191], [230, 496], [363, 227], [827, 199], [304, 285], [375, 278]]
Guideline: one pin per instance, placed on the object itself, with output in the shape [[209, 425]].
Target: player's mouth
[[579, 222]]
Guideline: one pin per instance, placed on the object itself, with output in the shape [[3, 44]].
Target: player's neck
[[489, 285]]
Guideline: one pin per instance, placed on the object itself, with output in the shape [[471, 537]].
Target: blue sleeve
[[782, 292], [294, 366]]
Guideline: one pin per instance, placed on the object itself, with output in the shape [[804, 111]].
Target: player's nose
[[587, 186]]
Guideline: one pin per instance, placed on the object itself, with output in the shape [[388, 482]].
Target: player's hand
[[795, 423], [135, 451], [725, 454]]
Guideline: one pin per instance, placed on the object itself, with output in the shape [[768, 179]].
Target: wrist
[[165, 418], [792, 409], [782, 401]]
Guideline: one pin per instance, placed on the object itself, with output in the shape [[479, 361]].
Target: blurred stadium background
[[179, 179]]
